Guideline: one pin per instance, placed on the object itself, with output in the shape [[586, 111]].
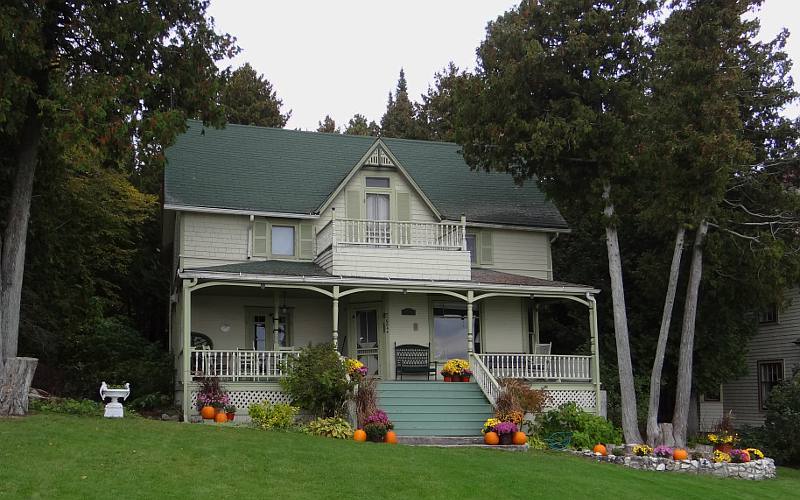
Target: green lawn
[[53, 456]]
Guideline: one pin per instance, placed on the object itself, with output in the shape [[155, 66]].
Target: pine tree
[[328, 125], [249, 99], [358, 126], [400, 117]]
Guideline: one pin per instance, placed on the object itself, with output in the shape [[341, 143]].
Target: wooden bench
[[413, 359]]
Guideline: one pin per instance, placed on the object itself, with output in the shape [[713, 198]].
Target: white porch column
[[276, 319], [595, 351], [470, 323], [336, 318], [186, 331], [535, 325]]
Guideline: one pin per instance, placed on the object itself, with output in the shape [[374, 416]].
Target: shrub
[[317, 382], [618, 452], [782, 422], [267, 416], [587, 429], [82, 407], [528, 399], [152, 401], [109, 349], [334, 427], [376, 432]]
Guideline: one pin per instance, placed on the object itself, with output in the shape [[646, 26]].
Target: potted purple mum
[[506, 430]]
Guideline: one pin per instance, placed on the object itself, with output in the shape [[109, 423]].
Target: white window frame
[[272, 228]]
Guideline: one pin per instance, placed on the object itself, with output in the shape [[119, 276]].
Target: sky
[[343, 57]]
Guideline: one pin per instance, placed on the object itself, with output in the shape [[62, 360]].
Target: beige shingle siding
[[520, 252], [214, 238], [772, 342]]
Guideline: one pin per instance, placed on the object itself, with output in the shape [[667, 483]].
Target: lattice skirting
[[244, 398], [584, 399]]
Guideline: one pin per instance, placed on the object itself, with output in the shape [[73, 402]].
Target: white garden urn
[[114, 408]]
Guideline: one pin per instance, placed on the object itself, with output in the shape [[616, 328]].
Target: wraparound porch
[[256, 321]]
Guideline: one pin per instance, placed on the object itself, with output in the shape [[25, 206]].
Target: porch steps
[[434, 408]]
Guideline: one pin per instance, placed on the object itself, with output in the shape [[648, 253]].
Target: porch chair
[[413, 359], [543, 349]]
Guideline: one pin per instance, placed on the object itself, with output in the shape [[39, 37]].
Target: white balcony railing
[[239, 364], [538, 366], [386, 233]]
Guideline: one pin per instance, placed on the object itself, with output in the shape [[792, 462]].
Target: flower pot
[[506, 438], [465, 378], [208, 412], [230, 416], [448, 378]]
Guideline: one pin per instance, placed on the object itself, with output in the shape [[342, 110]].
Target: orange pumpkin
[[359, 435], [680, 454], [491, 438], [208, 412], [391, 437], [220, 418], [519, 438], [599, 448]]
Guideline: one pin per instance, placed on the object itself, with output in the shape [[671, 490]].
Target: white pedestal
[[114, 409]]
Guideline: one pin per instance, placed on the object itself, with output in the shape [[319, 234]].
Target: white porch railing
[[484, 378], [238, 364], [538, 366], [432, 235]]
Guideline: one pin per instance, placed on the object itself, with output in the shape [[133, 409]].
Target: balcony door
[[378, 230]]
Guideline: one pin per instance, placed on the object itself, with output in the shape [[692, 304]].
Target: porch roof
[[309, 272]]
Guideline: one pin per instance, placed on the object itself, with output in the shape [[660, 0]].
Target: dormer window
[[378, 182], [283, 240]]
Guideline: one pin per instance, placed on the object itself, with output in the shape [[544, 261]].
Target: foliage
[[358, 126], [739, 456], [663, 451], [355, 369], [722, 438], [376, 432], [267, 416], [455, 366], [721, 456], [490, 424], [529, 400], [536, 442], [587, 429], [230, 408], [782, 422], [316, 381], [400, 117], [696, 455], [379, 417], [755, 453], [211, 393], [328, 125], [110, 349], [366, 399], [80, 407], [619, 452], [333, 427], [249, 99], [642, 450], [154, 400]]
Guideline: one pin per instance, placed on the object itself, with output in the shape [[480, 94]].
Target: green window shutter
[[487, 252], [403, 206], [306, 240], [353, 202], [260, 238]]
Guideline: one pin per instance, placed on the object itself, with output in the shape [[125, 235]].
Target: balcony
[[394, 249]]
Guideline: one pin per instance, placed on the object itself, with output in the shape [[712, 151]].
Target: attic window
[[377, 182]]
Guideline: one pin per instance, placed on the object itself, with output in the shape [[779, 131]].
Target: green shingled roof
[[278, 170]]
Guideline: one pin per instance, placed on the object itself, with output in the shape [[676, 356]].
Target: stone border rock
[[755, 470]]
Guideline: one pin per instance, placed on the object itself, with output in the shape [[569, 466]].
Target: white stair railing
[[485, 379]]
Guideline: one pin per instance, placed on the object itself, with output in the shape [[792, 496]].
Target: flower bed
[[754, 470]]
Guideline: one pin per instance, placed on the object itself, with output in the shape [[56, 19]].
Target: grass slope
[[52, 456]]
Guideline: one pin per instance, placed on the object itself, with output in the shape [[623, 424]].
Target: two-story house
[[281, 238]]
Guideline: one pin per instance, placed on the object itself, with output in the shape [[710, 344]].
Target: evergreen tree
[[435, 114], [249, 99], [400, 118], [358, 126], [328, 125]]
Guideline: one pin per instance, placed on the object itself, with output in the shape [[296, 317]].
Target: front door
[[366, 331]]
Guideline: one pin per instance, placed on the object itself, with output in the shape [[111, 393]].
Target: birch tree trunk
[[653, 432], [12, 266], [630, 424], [680, 417]]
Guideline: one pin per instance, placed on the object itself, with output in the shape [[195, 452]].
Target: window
[[282, 240], [377, 182], [770, 374], [450, 331], [768, 315], [472, 248]]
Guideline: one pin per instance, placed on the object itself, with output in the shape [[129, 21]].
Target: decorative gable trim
[[380, 155]]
